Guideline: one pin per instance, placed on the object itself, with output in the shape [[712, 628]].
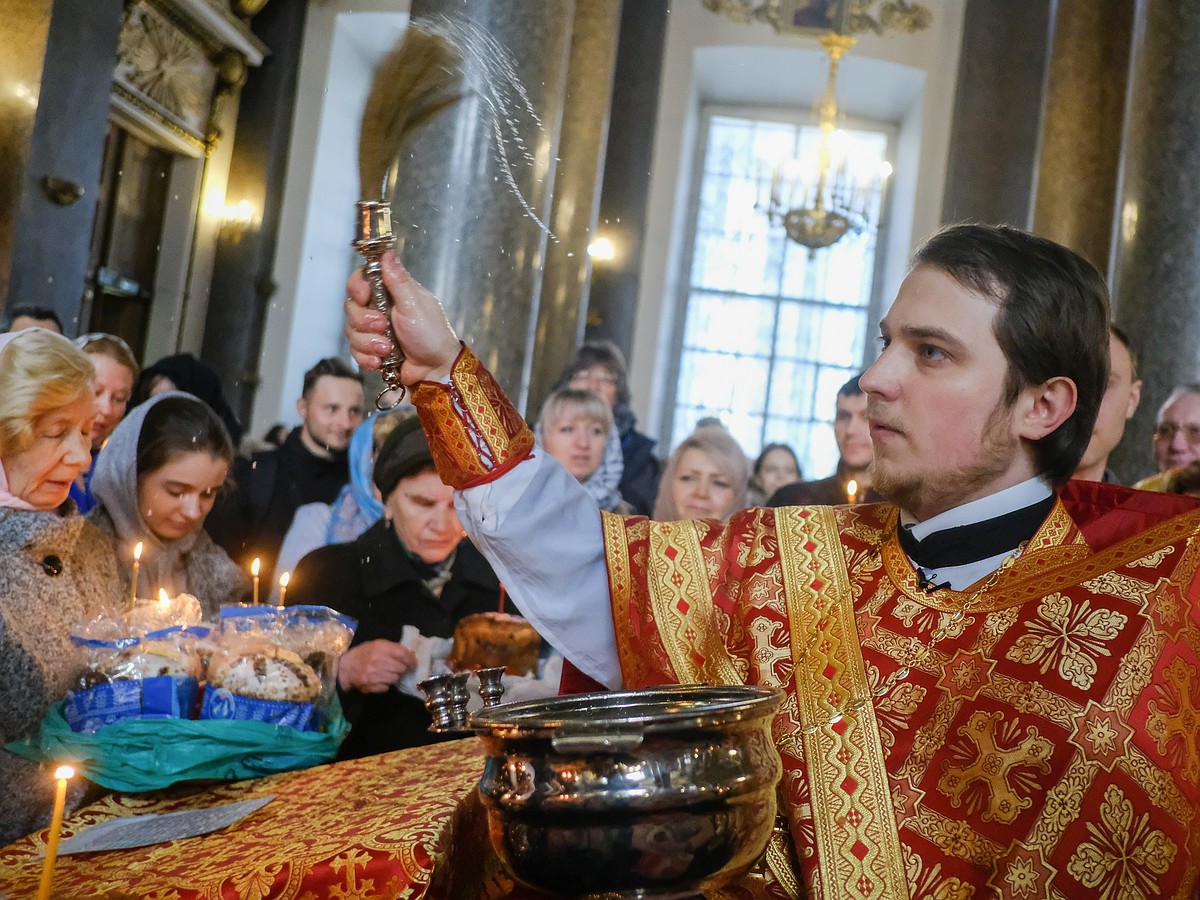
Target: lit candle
[[63, 774], [283, 580], [137, 561], [851, 491], [164, 602], [254, 571]]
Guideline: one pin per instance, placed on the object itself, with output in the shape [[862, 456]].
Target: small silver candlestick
[[491, 686], [446, 699], [373, 239], [447, 696]]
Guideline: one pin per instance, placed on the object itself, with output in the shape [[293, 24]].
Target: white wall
[[905, 79], [343, 41]]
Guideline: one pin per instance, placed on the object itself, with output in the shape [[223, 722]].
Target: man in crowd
[[310, 467], [990, 686], [1176, 436], [851, 483], [1120, 402], [22, 317]]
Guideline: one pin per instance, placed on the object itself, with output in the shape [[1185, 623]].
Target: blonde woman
[[116, 372], [58, 570], [707, 477]]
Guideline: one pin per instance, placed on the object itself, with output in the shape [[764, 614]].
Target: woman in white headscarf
[[155, 481], [576, 428], [56, 571]]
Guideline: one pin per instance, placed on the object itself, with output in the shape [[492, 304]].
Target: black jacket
[[253, 518], [639, 479], [829, 491], [374, 580]]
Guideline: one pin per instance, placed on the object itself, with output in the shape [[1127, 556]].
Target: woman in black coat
[[413, 567]]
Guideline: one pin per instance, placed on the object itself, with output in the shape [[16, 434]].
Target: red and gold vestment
[[1044, 741], [1045, 746]]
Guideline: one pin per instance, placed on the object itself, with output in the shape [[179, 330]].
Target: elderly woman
[[576, 428], [707, 477], [116, 371], [57, 569], [156, 480], [413, 567]]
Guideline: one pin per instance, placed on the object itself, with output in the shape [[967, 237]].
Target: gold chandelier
[[835, 200]]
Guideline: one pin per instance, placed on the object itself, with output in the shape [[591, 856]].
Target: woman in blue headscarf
[[356, 507]]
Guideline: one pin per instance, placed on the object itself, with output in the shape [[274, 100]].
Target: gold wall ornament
[[178, 61], [165, 65]]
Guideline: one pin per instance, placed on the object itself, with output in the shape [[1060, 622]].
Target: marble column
[[997, 107], [242, 285], [55, 85], [1156, 259], [560, 319], [1079, 158], [612, 301], [460, 225]]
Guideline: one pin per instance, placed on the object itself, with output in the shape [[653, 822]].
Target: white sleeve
[[541, 532]]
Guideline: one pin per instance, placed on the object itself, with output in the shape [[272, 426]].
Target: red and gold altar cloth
[[1046, 744], [366, 828]]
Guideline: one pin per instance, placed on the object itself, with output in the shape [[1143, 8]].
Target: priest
[[991, 679]]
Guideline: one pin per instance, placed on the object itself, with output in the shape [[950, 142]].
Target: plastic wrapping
[[275, 665], [159, 700]]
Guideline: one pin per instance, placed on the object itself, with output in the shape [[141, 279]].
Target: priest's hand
[[430, 344], [373, 667]]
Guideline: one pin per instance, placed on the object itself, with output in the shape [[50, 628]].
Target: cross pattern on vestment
[[993, 766]]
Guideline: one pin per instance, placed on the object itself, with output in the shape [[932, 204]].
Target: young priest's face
[[942, 434]]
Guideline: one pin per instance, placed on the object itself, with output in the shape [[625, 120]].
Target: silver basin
[[652, 793]]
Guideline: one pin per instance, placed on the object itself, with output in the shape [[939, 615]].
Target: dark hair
[[1123, 340], [33, 312], [332, 366], [599, 353], [768, 448], [1185, 480], [178, 425], [851, 388], [1052, 321]]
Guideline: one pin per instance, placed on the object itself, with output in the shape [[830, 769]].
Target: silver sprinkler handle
[[373, 239]]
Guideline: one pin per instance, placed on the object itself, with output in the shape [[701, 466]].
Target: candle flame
[[163, 599], [254, 567], [137, 550], [852, 489], [62, 773], [284, 578]]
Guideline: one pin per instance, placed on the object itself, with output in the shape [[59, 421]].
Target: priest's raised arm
[[537, 526]]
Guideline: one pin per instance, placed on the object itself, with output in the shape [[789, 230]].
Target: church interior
[[187, 197]]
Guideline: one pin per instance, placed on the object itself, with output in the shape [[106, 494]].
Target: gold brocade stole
[[858, 842], [857, 839]]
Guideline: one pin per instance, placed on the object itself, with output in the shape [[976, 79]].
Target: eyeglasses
[[1167, 431], [593, 376]]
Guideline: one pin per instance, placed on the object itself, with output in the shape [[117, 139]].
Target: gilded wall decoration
[[166, 71]]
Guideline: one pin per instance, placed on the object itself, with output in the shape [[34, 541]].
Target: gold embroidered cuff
[[475, 433]]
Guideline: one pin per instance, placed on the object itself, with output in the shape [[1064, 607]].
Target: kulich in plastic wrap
[[275, 665], [486, 640]]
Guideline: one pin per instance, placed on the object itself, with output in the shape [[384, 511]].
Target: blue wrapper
[[161, 697], [219, 703]]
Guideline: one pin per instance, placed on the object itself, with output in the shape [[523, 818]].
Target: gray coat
[[55, 572]]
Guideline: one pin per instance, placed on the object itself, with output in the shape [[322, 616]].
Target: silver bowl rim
[[648, 710]]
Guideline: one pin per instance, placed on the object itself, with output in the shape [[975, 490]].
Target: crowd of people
[[959, 560]]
